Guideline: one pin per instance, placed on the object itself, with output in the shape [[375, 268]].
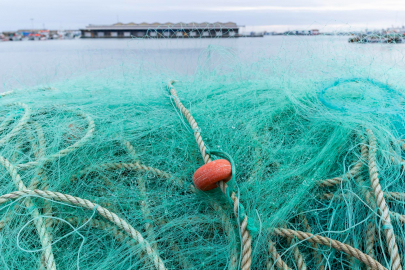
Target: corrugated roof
[[144, 25]]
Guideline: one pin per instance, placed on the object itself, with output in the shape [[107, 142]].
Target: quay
[[165, 30]]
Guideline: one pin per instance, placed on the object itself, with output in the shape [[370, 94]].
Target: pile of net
[[96, 171]]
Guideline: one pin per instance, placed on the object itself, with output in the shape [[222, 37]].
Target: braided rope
[[120, 236], [315, 247], [191, 121], [228, 225], [7, 218], [371, 228], [6, 93], [379, 195], [41, 139], [366, 259], [397, 158], [46, 260], [350, 174], [370, 239], [38, 220], [276, 258], [130, 149], [328, 182], [395, 196], [101, 225], [371, 201], [246, 237], [330, 196], [316, 239], [39, 152], [41, 226], [144, 206], [67, 150], [141, 183], [24, 119], [18, 147], [112, 217], [179, 183], [299, 259]]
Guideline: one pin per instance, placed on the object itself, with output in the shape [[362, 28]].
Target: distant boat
[[374, 38]]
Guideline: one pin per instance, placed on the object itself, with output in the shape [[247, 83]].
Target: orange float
[[207, 176]]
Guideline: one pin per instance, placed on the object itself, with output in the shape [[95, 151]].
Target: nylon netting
[[97, 168]]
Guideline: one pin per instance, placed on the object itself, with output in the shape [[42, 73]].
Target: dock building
[[162, 30]]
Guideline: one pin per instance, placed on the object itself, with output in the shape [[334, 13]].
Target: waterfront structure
[[162, 30]]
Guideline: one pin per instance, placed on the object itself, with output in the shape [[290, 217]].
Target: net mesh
[[97, 169]]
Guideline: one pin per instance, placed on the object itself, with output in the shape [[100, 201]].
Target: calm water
[[28, 63]]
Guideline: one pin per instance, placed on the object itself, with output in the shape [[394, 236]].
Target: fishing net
[[97, 168]]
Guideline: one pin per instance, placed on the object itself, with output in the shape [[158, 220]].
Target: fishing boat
[[374, 38]]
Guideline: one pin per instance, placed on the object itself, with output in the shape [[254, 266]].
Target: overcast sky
[[255, 14]]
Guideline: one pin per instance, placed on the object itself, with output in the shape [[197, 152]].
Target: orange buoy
[[207, 176]]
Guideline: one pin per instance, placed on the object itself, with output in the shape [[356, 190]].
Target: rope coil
[[246, 227]]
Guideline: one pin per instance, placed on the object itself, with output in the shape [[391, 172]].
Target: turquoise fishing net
[[114, 137]]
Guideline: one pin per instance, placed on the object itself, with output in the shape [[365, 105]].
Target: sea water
[[30, 63]]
